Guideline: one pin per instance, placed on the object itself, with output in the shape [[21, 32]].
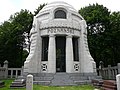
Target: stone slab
[[18, 83]]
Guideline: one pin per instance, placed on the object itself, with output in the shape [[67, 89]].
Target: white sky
[[9, 7]]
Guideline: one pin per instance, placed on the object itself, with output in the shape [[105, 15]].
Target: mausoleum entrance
[[60, 54]]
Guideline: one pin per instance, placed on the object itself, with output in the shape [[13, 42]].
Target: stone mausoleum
[[58, 45]]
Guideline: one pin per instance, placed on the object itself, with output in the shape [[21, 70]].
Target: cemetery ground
[[39, 87]]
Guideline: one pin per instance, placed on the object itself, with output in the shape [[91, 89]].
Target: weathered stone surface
[[64, 79], [18, 83], [29, 82], [118, 81]]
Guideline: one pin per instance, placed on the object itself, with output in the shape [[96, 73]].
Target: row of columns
[[52, 54], [16, 73]]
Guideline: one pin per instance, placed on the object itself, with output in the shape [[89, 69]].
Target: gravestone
[[29, 82]]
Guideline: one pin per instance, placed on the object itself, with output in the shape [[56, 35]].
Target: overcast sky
[[9, 7]]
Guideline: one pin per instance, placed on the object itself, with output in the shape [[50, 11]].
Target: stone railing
[[6, 72], [109, 72], [15, 72]]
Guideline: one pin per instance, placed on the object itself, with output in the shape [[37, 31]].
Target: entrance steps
[[43, 78], [64, 79], [61, 79]]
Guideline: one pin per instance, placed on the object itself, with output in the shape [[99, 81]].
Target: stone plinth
[[118, 81]]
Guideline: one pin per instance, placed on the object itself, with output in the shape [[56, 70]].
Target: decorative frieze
[[61, 23]]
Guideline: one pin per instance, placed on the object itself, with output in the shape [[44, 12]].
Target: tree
[[114, 38], [14, 32], [97, 17], [39, 8], [13, 35]]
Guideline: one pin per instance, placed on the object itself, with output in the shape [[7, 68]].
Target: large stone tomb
[[59, 47]]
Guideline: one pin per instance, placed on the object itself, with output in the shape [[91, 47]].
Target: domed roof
[[58, 3], [59, 14]]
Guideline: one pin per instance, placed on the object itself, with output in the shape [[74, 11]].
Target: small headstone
[[29, 82], [118, 81]]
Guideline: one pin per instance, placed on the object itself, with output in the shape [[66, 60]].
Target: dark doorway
[[75, 48], [45, 41], [60, 54]]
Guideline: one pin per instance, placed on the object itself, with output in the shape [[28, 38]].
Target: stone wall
[[109, 72], [6, 72]]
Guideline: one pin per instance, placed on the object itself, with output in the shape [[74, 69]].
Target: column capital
[[69, 36], [51, 35]]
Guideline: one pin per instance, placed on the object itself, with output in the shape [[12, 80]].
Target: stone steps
[[42, 82], [42, 78], [109, 85], [61, 79], [18, 83]]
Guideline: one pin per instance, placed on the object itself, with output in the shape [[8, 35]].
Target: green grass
[[38, 87]]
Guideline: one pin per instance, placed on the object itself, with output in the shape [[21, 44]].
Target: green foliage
[[39, 8], [113, 39], [38, 87], [103, 33], [7, 84], [96, 16], [12, 37]]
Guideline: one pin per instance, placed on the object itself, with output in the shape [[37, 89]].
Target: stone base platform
[[20, 82], [64, 79]]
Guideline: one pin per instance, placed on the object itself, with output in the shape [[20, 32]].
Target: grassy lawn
[[38, 87]]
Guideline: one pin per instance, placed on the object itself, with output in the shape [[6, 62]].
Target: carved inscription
[[61, 30]]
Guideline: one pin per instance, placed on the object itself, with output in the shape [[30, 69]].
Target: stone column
[[109, 72], [11, 74], [51, 55], [118, 65], [22, 71], [118, 81], [6, 68], [16, 74], [69, 54]]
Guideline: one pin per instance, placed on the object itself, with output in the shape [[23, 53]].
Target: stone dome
[[58, 3], [66, 15], [49, 8]]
